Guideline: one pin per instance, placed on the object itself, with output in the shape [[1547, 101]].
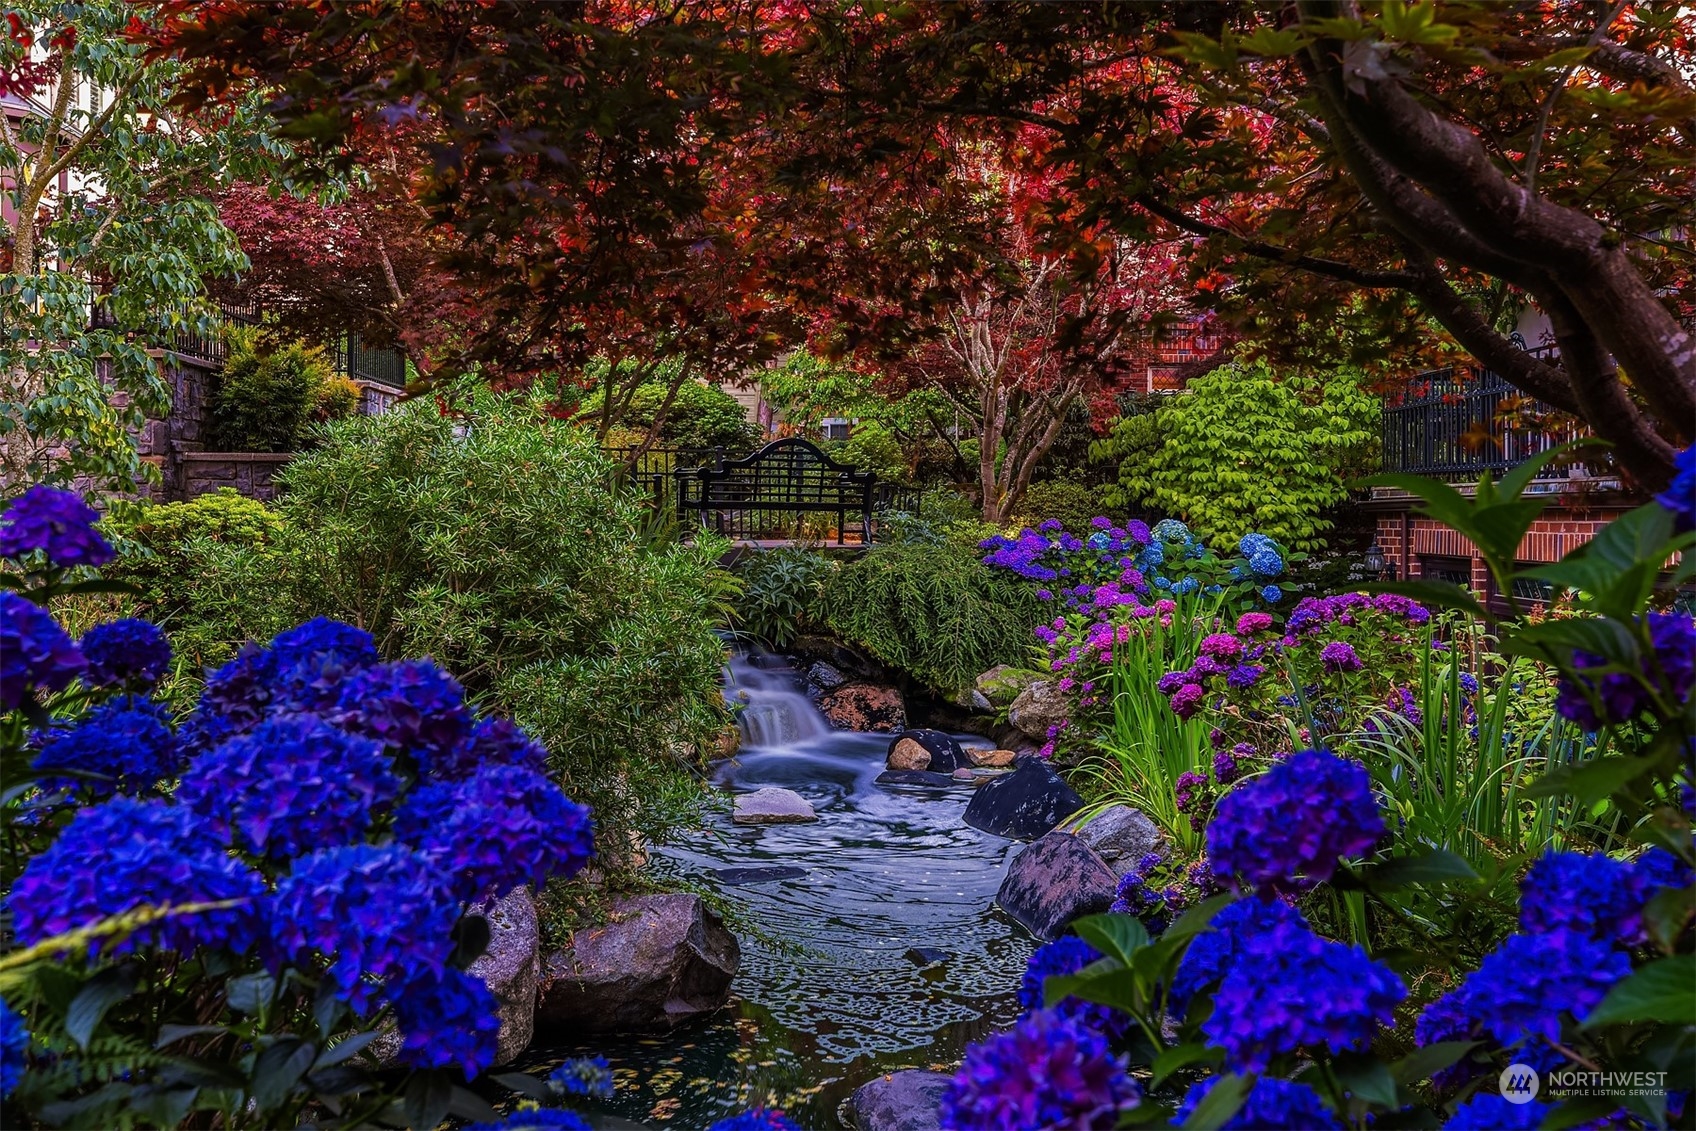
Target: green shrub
[[934, 612], [1072, 503], [874, 448], [781, 593], [701, 416], [270, 401], [501, 550]]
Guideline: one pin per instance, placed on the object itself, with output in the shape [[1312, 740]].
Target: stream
[[832, 990]]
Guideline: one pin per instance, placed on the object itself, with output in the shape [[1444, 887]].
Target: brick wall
[[1410, 542]]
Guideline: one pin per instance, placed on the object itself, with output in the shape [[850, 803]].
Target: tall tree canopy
[[1384, 162]]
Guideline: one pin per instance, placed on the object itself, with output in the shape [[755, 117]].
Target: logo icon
[[1520, 1083]]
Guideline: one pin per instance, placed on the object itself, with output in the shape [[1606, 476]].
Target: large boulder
[[932, 750], [1040, 707], [1052, 881], [772, 806], [659, 961], [1023, 804], [1001, 684], [512, 967], [864, 707], [901, 1101], [1121, 836]]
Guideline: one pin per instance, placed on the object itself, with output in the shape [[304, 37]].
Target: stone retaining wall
[[251, 473]]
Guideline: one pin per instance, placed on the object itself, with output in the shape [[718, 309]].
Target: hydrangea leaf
[[1182, 1056], [1422, 1063], [1591, 781], [1116, 936], [88, 1008], [1437, 867], [1664, 990], [1220, 1104]]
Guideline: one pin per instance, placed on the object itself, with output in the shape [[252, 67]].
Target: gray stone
[[1053, 881], [1040, 706], [772, 806], [1001, 684], [1121, 836], [901, 1101], [825, 677], [1024, 804], [512, 967], [661, 960]]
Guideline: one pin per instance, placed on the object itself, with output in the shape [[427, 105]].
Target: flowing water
[[832, 989]]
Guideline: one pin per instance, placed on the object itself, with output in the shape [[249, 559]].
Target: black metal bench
[[749, 499]]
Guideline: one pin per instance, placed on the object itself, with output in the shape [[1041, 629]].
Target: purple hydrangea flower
[[1186, 701], [537, 1119], [1189, 786], [412, 705], [446, 1019], [124, 744], [583, 1076], [125, 854], [1624, 695], [14, 1045], [492, 742], [1584, 892], [1339, 656], [1680, 495], [1214, 953], [1068, 955], [1519, 993], [292, 785], [1047, 1072], [1171, 681], [1489, 1112], [1221, 644], [129, 653], [500, 827], [1271, 1105], [35, 653], [310, 662], [57, 523], [760, 1119], [369, 912], [1250, 623], [1291, 990], [1289, 827], [1224, 767], [1244, 675], [237, 695]]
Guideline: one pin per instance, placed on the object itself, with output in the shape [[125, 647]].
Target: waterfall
[[775, 711]]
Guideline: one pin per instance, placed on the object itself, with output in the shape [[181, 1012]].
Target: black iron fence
[[211, 344], [352, 358], [1461, 422]]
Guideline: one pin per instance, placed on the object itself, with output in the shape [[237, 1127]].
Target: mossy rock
[[1002, 683]]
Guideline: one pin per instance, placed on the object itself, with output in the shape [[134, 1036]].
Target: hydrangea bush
[[221, 916]]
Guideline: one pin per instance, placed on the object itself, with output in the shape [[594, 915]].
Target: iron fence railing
[[1461, 422], [211, 345], [352, 358]]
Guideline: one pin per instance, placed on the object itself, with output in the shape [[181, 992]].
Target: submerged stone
[[736, 876], [901, 1101]]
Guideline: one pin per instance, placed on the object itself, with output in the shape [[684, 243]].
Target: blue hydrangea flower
[[1680, 495], [35, 653], [501, 827], [1046, 1072], [294, 784], [129, 653], [1271, 1105], [237, 695], [1185, 585], [492, 742], [1068, 955], [310, 661], [14, 1045], [1657, 869], [1288, 827], [583, 1076], [1584, 892], [1266, 562], [370, 912], [537, 1119], [1489, 1112], [1271, 594], [447, 1019], [1245, 675], [1171, 530], [1214, 953], [1519, 993], [124, 744], [57, 523], [760, 1119], [124, 854], [1251, 542], [412, 705], [1291, 990]]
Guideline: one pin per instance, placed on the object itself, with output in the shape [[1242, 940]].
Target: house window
[[1531, 589], [837, 428], [1455, 571]]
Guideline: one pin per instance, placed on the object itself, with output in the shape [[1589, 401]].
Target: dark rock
[[1121, 836], [923, 749], [1053, 881], [825, 677], [512, 967], [926, 956], [901, 1101], [914, 777], [1023, 804], [1040, 707], [864, 707], [736, 876], [662, 960]]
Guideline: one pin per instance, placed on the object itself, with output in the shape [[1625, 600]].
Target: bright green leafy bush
[[1072, 504], [271, 400], [934, 612], [781, 593]]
